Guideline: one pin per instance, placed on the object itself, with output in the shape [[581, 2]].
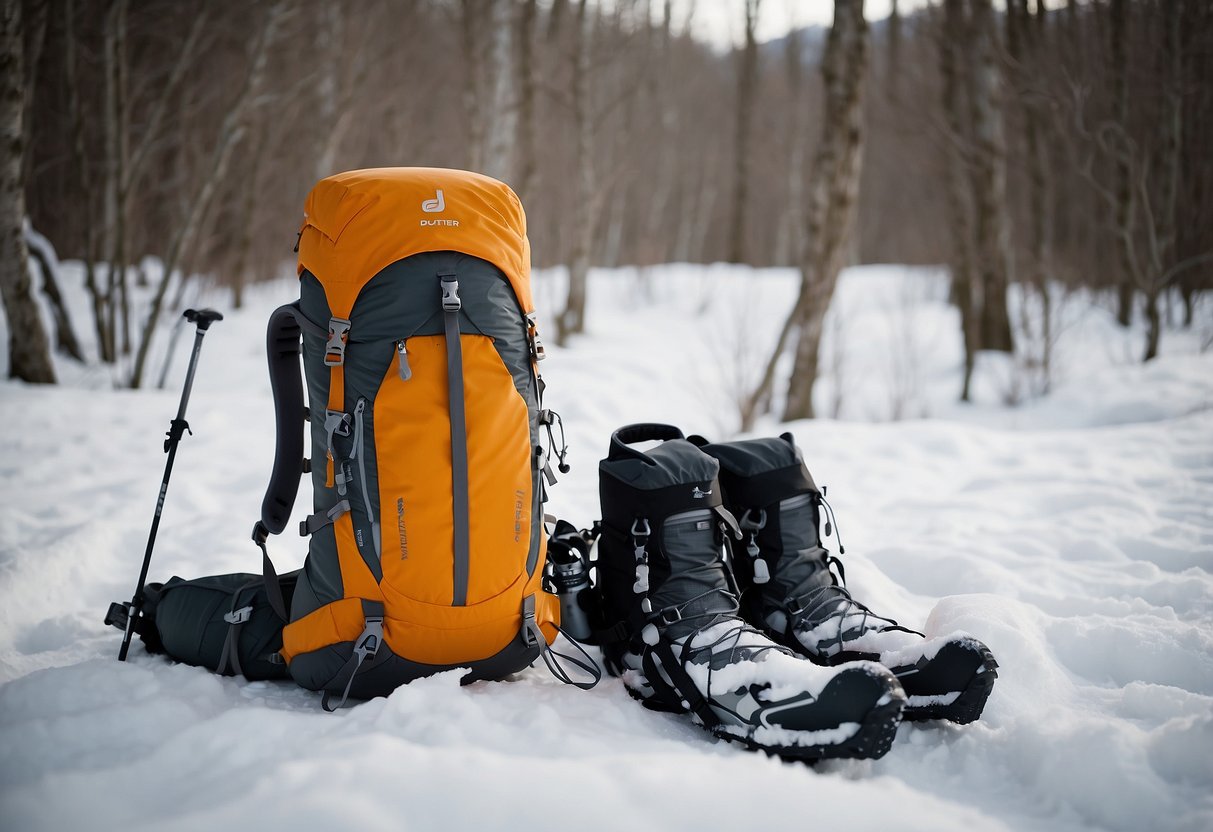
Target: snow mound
[[1072, 534]]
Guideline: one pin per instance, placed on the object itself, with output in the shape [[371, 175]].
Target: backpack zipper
[[402, 351], [359, 454]]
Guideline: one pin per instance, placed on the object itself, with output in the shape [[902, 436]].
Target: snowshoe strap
[[684, 687]]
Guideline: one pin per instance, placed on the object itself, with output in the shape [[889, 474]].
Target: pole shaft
[[136, 605]]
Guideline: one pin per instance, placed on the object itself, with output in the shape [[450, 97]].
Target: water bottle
[[567, 564]]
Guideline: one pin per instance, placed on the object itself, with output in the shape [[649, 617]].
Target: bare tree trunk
[[660, 237], [116, 119], [230, 133], [1171, 127], [572, 319], [894, 69], [993, 240], [36, 14], [332, 40], [1025, 50], [791, 228], [833, 198], [556, 18], [248, 213], [84, 175], [965, 288], [527, 166], [1125, 208], [747, 81], [502, 116], [474, 98], [29, 356]]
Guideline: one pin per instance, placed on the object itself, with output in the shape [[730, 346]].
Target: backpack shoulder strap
[[287, 324]]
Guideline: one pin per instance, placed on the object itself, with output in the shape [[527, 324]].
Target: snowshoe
[[669, 623], [795, 591]]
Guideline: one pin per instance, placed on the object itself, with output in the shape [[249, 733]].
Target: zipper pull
[[402, 351]]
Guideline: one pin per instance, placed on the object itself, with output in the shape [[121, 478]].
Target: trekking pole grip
[[203, 318]]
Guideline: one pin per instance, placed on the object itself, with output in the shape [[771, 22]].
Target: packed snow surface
[[1072, 532]]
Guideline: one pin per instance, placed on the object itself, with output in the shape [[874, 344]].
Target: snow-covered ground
[[1073, 533]]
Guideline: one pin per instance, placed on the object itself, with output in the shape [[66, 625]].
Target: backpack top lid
[[361, 221]]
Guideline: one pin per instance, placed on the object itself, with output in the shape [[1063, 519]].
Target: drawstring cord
[[830, 519]]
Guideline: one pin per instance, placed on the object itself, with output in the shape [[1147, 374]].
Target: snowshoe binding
[[795, 590], [670, 625]]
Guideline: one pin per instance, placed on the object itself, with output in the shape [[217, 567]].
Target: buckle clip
[[239, 616], [368, 643], [450, 295], [334, 348], [338, 422], [669, 615], [538, 352], [749, 524]]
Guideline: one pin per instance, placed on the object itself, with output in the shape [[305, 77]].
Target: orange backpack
[[420, 350]]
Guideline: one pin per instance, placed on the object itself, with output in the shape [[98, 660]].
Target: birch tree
[[29, 356], [832, 198]]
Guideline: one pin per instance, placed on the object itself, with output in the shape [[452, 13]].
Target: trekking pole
[[203, 318]]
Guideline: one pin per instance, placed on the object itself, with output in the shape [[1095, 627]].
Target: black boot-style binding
[[791, 592], [671, 627]]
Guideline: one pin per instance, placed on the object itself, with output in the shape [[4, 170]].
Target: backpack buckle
[[239, 616], [450, 295], [334, 348], [538, 352]]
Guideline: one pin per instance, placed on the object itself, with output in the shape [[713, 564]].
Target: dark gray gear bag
[[222, 622]]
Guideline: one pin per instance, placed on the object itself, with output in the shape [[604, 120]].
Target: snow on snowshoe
[[671, 626], [795, 590]]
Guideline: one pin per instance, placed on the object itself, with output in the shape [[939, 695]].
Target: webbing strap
[[229, 658], [334, 357], [316, 522], [451, 305], [683, 684], [269, 575], [366, 646]]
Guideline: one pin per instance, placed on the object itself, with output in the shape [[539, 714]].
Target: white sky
[[721, 22]]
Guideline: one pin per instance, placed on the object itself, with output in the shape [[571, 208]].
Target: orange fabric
[[442, 634], [412, 426], [450, 634], [331, 624], [356, 577], [361, 221], [336, 403]]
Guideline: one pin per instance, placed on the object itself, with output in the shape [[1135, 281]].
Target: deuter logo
[[436, 205], [699, 494]]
